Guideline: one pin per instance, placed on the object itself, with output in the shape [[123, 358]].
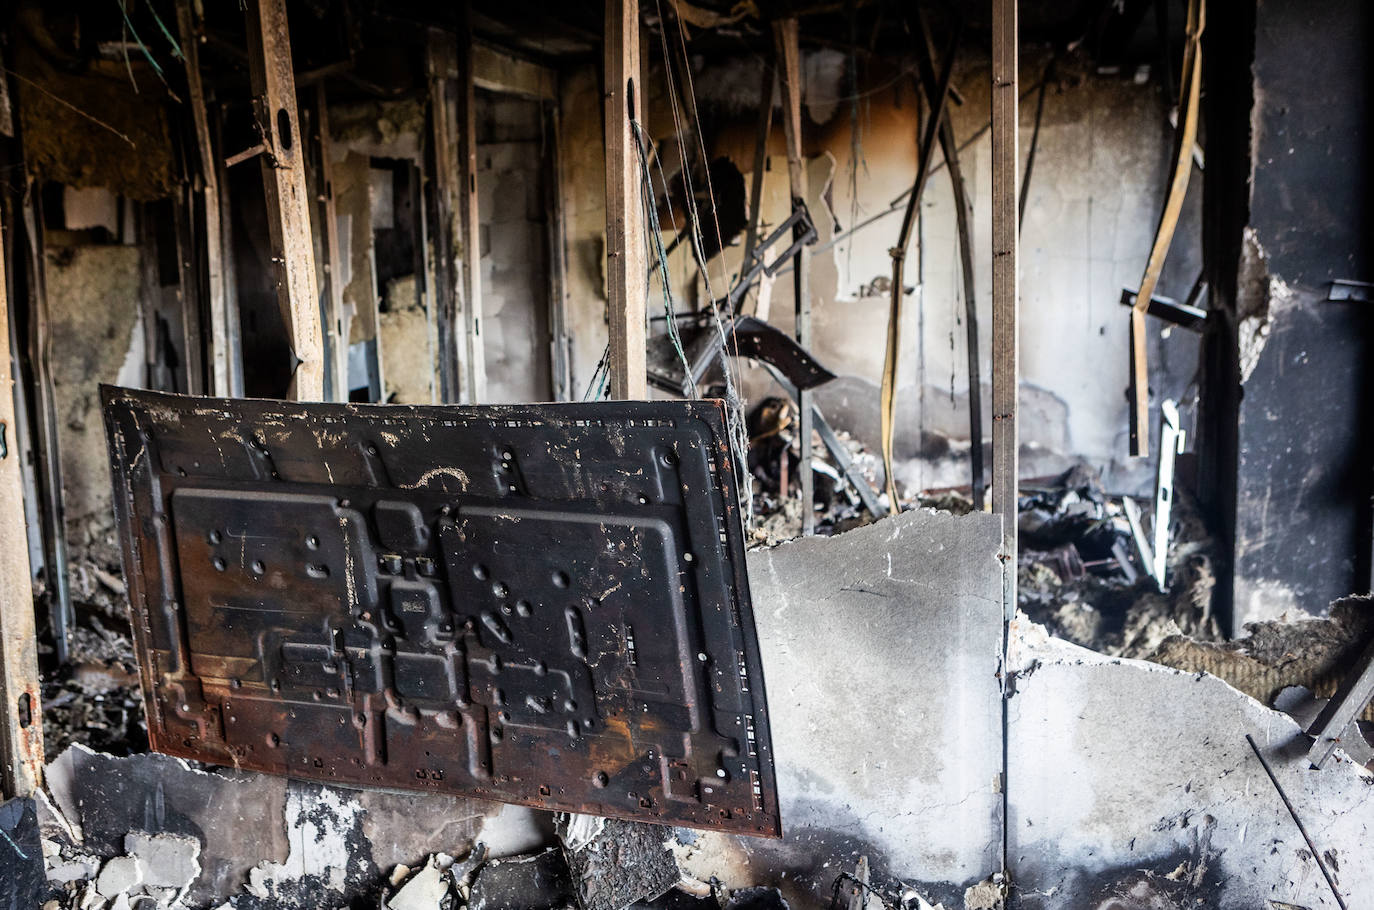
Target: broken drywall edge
[[58, 783], [1030, 646], [1121, 768]]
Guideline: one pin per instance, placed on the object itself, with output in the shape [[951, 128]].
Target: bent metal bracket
[[537, 604]]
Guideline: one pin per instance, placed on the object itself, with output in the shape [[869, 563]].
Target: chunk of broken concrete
[[80, 867], [425, 889], [119, 875], [169, 860], [615, 862], [537, 882]]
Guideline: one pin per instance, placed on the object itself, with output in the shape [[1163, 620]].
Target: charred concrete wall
[[1093, 205], [1301, 453]]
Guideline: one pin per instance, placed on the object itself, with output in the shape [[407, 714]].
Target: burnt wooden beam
[[1005, 295], [787, 59], [441, 67], [21, 727], [626, 277], [288, 199]]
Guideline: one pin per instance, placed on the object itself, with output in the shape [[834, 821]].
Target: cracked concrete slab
[[1134, 781], [880, 654]]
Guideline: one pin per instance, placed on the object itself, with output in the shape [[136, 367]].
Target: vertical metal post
[[788, 61], [50, 472], [283, 178], [21, 727], [627, 279], [1005, 296], [751, 234]]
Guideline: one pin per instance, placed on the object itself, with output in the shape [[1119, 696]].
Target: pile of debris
[[774, 468], [1086, 573]]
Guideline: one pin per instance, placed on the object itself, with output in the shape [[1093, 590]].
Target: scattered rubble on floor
[[427, 889], [1082, 577], [774, 463]]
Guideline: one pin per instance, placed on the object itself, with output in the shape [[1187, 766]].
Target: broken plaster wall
[[1133, 786], [1303, 484], [1094, 201]]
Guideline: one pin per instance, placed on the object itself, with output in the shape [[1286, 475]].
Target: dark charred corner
[[686, 454]]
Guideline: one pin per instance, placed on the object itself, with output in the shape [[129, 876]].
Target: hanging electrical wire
[[739, 436], [654, 241]]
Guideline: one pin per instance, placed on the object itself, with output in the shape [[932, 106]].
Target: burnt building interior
[[879, 454]]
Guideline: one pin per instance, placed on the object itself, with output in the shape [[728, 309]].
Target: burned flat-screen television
[[537, 604]]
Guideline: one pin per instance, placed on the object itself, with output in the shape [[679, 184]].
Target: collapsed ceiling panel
[[539, 604]]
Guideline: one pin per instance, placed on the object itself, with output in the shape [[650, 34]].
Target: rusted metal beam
[[288, 199], [21, 727], [1005, 295], [787, 60], [626, 276], [470, 231]]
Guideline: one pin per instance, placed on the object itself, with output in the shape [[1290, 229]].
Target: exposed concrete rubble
[[265, 841], [615, 863]]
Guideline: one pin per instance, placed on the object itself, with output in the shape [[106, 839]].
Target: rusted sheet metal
[[539, 604]]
